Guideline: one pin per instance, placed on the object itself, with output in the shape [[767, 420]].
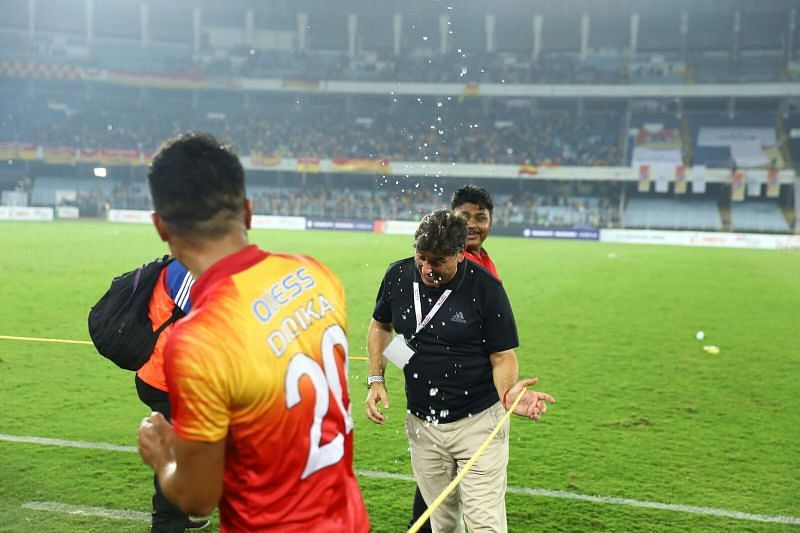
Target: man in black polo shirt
[[462, 376]]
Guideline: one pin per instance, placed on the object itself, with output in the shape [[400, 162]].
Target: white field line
[[612, 500], [68, 443], [116, 514]]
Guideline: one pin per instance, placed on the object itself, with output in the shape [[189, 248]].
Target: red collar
[[481, 253], [226, 267], [482, 258]]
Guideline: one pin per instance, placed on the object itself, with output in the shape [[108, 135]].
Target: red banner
[[60, 155], [680, 179], [90, 155], [8, 150], [260, 159], [737, 186], [308, 164], [26, 151], [110, 157], [644, 178], [773, 183], [301, 85], [156, 79], [119, 157], [376, 166], [471, 89]]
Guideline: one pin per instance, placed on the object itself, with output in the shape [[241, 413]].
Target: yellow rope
[[37, 339], [438, 501], [67, 341]]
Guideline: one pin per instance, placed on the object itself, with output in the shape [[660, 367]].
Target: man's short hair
[[443, 232], [197, 185], [474, 195]]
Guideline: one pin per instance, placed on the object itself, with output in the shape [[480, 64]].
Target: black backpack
[[119, 324]]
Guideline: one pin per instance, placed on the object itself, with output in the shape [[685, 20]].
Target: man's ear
[[248, 213], [161, 226], [461, 255]]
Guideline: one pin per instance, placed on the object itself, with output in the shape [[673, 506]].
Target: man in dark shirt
[[474, 204], [463, 374]]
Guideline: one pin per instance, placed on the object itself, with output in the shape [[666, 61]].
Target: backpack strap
[[177, 313]]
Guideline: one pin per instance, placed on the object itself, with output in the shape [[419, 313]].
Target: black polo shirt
[[450, 375]]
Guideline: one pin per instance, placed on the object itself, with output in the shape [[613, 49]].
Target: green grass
[[642, 413]]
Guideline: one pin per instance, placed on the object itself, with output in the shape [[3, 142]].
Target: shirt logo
[[458, 317]]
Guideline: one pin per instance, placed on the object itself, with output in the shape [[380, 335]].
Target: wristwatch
[[374, 379]]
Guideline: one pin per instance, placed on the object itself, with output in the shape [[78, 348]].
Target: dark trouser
[[419, 507], [167, 518]]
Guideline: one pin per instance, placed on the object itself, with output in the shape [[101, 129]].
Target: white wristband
[[374, 379]]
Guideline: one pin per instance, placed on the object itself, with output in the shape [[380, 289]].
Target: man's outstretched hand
[[533, 404]]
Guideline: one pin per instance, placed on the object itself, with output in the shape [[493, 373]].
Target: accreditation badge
[[398, 351]]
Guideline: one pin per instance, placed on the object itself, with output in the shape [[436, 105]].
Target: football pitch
[[650, 432]]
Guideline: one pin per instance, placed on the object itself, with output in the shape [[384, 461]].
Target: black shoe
[[197, 524]]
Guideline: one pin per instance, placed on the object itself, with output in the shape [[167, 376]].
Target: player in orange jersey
[[257, 372], [171, 290]]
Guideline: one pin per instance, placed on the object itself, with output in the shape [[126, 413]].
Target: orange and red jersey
[[261, 361], [171, 289], [483, 259]]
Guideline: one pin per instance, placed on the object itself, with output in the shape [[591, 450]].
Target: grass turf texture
[[642, 413]]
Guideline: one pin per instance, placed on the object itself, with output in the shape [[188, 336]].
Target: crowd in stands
[[421, 64], [95, 203], [556, 210], [386, 200], [394, 203], [390, 201], [410, 203], [405, 131]]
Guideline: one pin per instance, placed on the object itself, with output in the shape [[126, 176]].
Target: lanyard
[[421, 323]]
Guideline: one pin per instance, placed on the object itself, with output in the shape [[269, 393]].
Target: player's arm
[[378, 338], [190, 472], [505, 373]]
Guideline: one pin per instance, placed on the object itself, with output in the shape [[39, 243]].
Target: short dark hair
[[443, 232], [197, 185], [474, 195]]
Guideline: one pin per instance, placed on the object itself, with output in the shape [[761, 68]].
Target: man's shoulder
[[178, 283], [205, 330], [297, 261], [481, 275], [400, 267], [295, 258]]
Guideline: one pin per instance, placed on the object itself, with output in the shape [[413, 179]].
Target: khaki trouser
[[440, 451]]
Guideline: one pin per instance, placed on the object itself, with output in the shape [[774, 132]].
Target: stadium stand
[[57, 98], [456, 133], [667, 213], [792, 127], [748, 69], [745, 140], [758, 216]]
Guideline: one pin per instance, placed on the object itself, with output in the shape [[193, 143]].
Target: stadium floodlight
[[100, 172]]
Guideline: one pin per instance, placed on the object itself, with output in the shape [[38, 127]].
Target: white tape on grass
[[68, 443], [693, 509], [115, 514]]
